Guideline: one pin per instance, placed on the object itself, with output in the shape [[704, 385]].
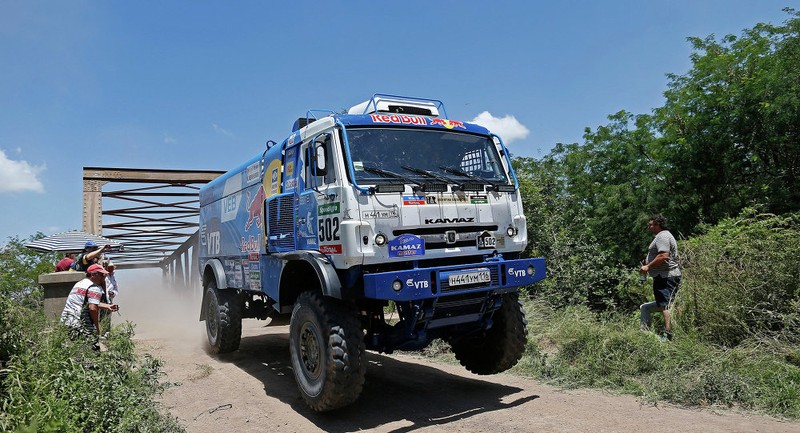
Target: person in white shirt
[[82, 309]]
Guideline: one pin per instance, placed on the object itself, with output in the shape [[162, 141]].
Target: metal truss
[[153, 213]]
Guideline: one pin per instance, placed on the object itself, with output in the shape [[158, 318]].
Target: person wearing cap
[[91, 255], [82, 309]]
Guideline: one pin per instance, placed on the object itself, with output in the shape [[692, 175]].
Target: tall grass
[[736, 322], [52, 384], [575, 347]]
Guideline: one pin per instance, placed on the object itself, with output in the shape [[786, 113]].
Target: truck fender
[[326, 274], [213, 266]]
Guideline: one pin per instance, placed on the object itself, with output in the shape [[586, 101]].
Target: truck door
[[318, 221]]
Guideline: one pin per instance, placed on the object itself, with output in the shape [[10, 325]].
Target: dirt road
[[253, 390]]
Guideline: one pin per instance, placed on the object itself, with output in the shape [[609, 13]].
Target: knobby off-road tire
[[500, 347], [223, 319], [326, 346]]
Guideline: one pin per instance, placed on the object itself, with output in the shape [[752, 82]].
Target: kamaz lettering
[[449, 220], [407, 247], [381, 226]]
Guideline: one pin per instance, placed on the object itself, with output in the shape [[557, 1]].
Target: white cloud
[[16, 176], [220, 130], [168, 139], [507, 127]]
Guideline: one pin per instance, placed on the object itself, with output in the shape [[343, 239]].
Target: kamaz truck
[[380, 228]]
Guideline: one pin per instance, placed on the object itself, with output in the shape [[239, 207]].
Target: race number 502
[[329, 229]]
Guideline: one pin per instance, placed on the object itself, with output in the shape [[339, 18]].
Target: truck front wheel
[[326, 345], [223, 319], [500, 347]]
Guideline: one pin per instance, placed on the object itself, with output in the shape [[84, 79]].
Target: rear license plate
[[478, 276]]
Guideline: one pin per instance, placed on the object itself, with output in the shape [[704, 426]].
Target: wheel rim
[[212, 319], [310, 350]]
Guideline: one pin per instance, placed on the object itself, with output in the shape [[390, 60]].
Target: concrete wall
[[56, 288]]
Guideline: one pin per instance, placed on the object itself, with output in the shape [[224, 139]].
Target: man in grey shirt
[[661, 264]]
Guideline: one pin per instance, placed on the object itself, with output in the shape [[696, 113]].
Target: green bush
[[742, 280], [575, 347], [57, 385], [48, 383]]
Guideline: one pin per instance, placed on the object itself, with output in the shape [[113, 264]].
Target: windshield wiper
[[454, 170], [387, 173], [432, 187]]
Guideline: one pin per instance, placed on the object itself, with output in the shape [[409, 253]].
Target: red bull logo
[[255, 208], [449, 124], [398, 118]]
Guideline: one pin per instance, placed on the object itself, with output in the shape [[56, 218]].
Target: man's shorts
[[664, 288]]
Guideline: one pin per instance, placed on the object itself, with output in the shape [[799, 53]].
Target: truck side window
[[330, 176]]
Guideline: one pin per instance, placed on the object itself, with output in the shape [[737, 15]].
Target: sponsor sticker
[[253, 172], [331, 249], [329, 209], [478, 199], [399, 118], [413, 200], [251, 244], [449, 124], [406, 246]]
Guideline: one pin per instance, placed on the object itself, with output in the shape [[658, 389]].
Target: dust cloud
[[158, 310]]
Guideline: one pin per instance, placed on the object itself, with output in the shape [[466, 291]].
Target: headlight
[[511, 231], [397, 285], [531, 270], [380, 239]]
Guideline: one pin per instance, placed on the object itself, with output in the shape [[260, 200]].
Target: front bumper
[[434, 282]]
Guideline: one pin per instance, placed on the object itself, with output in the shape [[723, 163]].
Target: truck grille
[[436, 237], [280, 223]]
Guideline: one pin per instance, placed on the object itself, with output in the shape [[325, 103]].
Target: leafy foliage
[[579, 270], [19, 275], [743, 280], [724, 144], [730, 123], [49, 383], [63, 386], [574, 347]]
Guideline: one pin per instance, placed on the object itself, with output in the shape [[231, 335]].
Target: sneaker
[[665, 337]]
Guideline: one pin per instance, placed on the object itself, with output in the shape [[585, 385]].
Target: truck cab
[[386, 226]]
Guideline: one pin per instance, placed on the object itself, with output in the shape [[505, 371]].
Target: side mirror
[[320, 164], [320, 150]]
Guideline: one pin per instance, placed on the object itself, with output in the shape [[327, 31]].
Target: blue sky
[[203, 85]]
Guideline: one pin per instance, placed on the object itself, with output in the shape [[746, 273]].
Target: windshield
[[392, 154]]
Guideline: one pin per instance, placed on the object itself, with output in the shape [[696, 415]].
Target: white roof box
[[397, 104]]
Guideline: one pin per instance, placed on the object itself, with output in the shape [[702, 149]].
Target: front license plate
[[475, 277]]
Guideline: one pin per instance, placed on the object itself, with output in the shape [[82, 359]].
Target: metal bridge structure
[[153, 213]]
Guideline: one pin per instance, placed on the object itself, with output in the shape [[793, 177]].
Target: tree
[[20, 268], [731, 125]]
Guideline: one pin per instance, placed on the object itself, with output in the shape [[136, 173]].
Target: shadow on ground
[[395, 390]]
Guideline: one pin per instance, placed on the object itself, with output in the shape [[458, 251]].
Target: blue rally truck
[[379, 229]]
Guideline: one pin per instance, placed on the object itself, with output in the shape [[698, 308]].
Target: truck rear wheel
[[326, 346], [500, 347], [223, 319]]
